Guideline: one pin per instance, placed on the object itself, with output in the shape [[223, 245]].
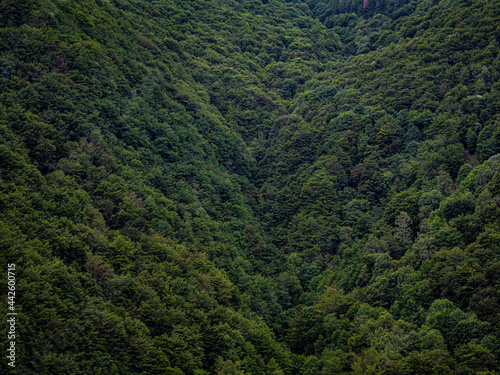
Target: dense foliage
[[251, 187]]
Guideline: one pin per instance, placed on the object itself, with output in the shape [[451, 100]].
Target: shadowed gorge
[[251, 187]]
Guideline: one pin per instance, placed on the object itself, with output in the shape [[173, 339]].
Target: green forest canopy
[[251, 187]]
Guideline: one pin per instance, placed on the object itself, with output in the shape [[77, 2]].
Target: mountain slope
[[251, 187]]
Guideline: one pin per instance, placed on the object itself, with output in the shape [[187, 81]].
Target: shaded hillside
[[251, 187]]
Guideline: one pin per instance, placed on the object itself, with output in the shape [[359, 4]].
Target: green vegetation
[[251, 187]]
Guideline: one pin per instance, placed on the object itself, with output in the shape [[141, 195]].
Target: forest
[[250, 187]]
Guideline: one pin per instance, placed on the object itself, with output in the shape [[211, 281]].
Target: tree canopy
[[251, 187]]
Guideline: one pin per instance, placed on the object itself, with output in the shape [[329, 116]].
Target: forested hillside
[[251, 187]]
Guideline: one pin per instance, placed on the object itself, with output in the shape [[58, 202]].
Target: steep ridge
[[251, 187]]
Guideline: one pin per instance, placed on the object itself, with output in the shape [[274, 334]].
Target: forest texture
[[251, 187]]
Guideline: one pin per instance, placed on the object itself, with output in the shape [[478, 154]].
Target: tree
[[403, 224]]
